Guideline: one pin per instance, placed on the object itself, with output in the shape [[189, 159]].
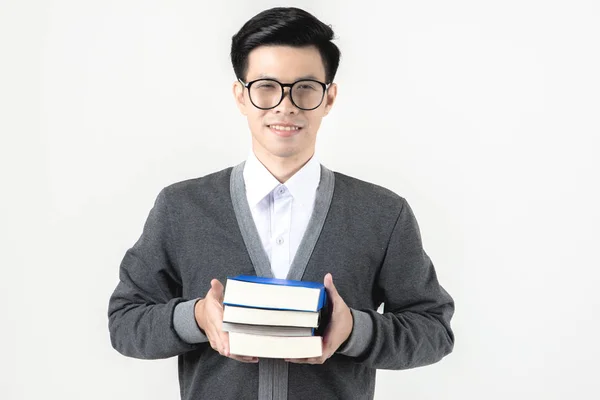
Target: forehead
[[285, 63]]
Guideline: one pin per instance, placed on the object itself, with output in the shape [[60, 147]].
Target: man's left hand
[[339, 327]]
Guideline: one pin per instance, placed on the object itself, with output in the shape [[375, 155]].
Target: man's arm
[[142, 308], [414, 329]]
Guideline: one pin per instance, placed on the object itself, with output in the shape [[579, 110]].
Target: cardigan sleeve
[[142, 308], [414, 329]]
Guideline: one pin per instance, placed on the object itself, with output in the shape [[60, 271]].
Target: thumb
[[331, 290], [217, 288]]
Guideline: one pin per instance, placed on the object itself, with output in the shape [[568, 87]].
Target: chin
[[275, 147], [283, 153]]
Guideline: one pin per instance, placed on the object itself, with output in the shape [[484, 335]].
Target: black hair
[[288, 26]]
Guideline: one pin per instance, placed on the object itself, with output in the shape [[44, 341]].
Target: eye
[[266, 86], [306, 86]]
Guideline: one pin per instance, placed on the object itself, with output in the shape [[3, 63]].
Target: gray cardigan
[[364, 234]]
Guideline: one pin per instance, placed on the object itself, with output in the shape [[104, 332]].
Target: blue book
[[274, 294]]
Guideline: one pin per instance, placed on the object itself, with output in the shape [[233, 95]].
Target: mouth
[[285, 130]]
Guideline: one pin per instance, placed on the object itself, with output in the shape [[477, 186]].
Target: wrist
[[361, 335], [199, 313], [186, 324], [349, 330]]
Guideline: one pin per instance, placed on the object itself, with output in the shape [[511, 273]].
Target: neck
[[283, 168]]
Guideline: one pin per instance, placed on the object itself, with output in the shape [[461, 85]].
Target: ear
[[238, 95], [330, 96]]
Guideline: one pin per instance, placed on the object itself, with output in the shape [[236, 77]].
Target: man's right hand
[[209, 316]]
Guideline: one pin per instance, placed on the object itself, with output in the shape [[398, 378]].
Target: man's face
[[287, 65]]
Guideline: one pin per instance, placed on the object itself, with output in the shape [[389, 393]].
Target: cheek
[[316, 116], [314, 122], [257, 119]]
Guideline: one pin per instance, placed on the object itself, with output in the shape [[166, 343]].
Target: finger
[[327, 347], [217, 338], [245, 359], [217, 344], [331, 289], [311, 360], [212, 343], [224, 336], [297, 360], [327, 343], [217, 289]]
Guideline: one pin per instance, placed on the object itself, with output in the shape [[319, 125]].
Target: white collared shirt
[[281, 212]]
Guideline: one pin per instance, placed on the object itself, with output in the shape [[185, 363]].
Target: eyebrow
[[310, 76]]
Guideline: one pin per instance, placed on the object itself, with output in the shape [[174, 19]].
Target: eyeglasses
[[305, 94]]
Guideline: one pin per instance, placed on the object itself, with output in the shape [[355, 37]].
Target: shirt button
[[279, 240], [281, 190]]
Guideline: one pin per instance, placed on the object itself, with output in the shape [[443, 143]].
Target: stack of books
[[273, 318]]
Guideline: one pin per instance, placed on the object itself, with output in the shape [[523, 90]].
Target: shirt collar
[[303, 184], [260, 182]]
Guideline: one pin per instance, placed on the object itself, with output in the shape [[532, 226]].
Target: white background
[[484, 115]]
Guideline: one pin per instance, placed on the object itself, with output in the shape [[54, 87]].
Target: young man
[[281, 214]]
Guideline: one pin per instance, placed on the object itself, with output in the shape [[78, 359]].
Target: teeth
[[284, 128]]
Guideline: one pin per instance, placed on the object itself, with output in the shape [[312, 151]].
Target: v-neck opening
[[249, 230]]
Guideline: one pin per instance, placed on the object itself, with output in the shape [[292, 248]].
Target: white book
[[272, 293], [259, 316], [245, 344], [267, 330]]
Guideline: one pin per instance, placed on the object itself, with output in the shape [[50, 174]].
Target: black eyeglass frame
[[325, 86]]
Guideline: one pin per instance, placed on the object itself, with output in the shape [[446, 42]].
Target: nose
[[286, 105]]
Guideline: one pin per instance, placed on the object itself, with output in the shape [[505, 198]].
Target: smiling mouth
[[285, 127], [284, 131]]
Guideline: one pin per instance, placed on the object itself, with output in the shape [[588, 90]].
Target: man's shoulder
[[216, 183], [361, 191]]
